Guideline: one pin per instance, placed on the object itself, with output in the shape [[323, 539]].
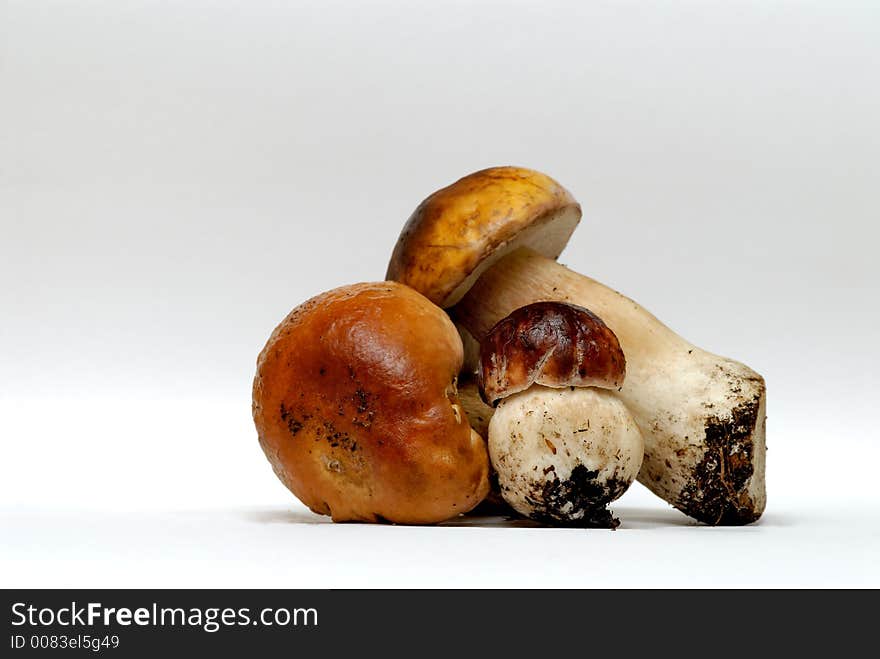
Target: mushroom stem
[[479, 414], [563, 455], [702, 416]]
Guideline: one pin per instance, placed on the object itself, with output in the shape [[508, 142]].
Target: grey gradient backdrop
[[174, 177]]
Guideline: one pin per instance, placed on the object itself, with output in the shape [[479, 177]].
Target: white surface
[[175, 177], [160, 493], [288, 547]]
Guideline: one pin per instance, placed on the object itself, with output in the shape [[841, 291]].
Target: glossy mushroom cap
[[460, 231], [554, 344], [356, 408]]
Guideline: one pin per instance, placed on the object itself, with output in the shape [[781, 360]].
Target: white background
[[175, 177]]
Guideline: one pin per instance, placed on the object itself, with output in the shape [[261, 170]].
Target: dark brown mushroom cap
[[554, 344]]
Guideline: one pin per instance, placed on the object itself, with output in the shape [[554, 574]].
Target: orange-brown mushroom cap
[[554, 344], [458, 232], [356, 409]]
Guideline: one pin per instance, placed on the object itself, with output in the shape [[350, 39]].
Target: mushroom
[[563, 445], [488, 244], [356, 408]]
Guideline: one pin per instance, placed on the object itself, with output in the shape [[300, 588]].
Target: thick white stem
[[563, 455], [702, 416]]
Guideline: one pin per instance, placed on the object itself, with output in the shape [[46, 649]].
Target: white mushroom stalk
[[561, 456]]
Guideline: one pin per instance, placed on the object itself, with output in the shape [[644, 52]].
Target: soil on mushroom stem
[[577, 492], [717, 494]]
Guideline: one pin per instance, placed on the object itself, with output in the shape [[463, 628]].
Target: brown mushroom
[[488, 243], [356, 408], [562, 444]]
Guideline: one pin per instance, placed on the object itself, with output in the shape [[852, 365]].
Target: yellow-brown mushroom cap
[[460, 231], [356, 408]]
